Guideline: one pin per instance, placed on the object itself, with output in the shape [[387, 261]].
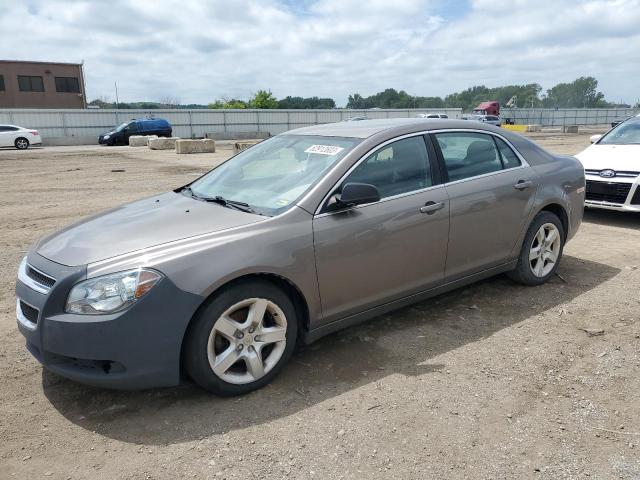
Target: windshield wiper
[[245, 207], [242, 206], [220, 200]]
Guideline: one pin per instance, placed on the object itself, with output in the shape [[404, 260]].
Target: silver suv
[[299, 236]]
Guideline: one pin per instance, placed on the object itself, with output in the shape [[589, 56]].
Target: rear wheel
[[541, 250], [21, 143], [241, 339]]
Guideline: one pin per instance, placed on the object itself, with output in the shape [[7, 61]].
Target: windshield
[[627, 133], [275, 173], [120, 127]]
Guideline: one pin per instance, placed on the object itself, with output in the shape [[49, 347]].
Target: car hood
[[616, 157], [138, 225]]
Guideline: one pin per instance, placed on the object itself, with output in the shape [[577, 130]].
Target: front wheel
[[241, 338], [21, 143], [541, 250]]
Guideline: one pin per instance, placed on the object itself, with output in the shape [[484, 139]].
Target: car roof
[[368, 128]]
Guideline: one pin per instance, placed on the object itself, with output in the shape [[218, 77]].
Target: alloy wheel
[[247, 341], [544, 250], [22, 144]]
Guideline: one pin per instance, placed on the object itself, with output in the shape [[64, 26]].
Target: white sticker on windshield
[[324, 149]]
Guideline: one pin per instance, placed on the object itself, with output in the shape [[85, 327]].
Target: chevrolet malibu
[[299, 236]]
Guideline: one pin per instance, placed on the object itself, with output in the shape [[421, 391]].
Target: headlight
[[106, 137], [110, 293]]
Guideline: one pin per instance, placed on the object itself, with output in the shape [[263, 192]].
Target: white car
[[432, 115], [490, 119], [612, 168], [18, 137]]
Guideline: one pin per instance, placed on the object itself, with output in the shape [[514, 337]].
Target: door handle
[[522, 184], [431, 207]]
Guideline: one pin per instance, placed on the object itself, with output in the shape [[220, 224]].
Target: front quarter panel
[[281, 246]]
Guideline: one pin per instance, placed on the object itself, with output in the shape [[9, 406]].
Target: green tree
[[468, 99], [263, 99], [228, 103], [311, 102], [581, 93]]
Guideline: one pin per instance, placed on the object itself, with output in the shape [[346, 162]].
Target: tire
[[540, 254], [224, 335], [21, 143]]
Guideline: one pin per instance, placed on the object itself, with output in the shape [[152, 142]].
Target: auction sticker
[[324, 149]]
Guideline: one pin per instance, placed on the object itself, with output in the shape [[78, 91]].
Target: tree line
[[581, 93]]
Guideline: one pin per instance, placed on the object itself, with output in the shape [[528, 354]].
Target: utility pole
[[117, 102]]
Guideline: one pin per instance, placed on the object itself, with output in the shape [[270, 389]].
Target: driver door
[[379, 252]]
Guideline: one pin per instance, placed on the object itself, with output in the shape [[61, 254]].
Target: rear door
[[491, 191], [375, 253]]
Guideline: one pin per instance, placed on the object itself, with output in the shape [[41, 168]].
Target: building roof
[[38, 62], [367, 128]]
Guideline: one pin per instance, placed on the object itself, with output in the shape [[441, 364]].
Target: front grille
[[29, 312], [618, 173], [39, 277], [636, 197], [607, 191]]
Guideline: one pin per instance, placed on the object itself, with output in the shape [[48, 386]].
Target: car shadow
[[612, 218], [403, 342]]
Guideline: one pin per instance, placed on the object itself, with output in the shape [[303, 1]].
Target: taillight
[[34, 132]]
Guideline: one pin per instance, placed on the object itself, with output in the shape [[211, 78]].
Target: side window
[[468, 154], [397, 168], [133, 127], [27, 83], [509, 158], [67, 84]]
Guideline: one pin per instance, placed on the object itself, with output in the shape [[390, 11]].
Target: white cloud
[[198, 51]]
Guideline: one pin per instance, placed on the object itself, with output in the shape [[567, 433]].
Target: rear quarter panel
[[561, 182]]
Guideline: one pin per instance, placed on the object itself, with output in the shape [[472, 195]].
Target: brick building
[[41, 85]]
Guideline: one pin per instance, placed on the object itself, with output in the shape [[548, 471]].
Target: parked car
[[18, 137], [432, 115], [145, 126], [612, 168], [356, 119], [301, 235], [490, 119]]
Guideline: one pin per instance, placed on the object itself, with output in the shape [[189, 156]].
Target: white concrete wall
[[76, 124]]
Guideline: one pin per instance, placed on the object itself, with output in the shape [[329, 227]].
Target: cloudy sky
[[197, 51]]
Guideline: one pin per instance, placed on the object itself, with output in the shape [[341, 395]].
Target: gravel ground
[[491, 381]]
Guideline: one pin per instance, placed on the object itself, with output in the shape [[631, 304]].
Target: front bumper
[[615, 193], [133, 349]]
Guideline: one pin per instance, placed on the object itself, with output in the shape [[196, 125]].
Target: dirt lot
[[491, 381]]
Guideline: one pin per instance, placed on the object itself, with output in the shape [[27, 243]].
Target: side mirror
[[594, 138], [358, 194]]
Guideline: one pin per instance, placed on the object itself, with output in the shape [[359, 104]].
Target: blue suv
[[145, 126]]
